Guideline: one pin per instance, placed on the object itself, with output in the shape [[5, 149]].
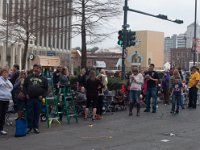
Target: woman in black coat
[[92, 88]]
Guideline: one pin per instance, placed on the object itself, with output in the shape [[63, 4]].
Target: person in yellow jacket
[[193, 87]]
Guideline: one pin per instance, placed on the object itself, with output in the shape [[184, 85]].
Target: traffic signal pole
[[124, 38], [125, 32], [195, 34]]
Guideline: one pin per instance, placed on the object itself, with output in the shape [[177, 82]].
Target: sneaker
[[172, 112], [130, 114], [146, 110], [98, 117], [153, 111], [3, 132], [36, 131], [28, 130], [177, 111]]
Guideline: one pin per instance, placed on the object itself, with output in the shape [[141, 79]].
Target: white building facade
[[190, 34], [48, 23], [182, 41]]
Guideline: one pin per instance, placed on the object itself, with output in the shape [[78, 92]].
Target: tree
[[91, 15], [33, 16]]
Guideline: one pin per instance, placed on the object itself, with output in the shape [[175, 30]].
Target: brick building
[[109, 58], [180, 57]]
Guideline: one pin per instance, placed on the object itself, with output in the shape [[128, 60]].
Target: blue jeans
[[134, 96], [151, 93], [176, 101], [33, 112], [182, 100]]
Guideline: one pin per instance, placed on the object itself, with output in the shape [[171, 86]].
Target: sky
[[174, 9]]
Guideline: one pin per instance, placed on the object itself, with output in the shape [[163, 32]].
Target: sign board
[[100, 64], [47, 61], [51, 53]]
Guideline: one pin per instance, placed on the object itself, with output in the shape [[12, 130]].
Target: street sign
[[51, 53]]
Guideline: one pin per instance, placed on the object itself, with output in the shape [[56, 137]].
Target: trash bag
[[21, 127]]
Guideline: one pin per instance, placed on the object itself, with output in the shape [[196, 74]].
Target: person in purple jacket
[[165, 87]]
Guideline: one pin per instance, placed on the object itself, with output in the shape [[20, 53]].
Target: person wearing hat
[[193, 88], [35, 88]]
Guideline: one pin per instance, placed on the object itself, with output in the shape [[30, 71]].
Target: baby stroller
[[10, 111], [43, 116], [119, 101], [80, 100]]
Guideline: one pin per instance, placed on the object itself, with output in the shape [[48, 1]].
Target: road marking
[[165, 140]]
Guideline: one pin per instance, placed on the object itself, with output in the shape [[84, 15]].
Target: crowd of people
[[28, 89], [145, 85]]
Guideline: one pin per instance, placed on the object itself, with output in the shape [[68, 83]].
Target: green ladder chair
[[51, 102], [69, 104]]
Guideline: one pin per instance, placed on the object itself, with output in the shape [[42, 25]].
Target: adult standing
[[136, 82], [165, 87], [152, 81], [64, 78], [19, 94], [35, 89], [92, 88], [104, 79], [5, 95], [14, 76], [193, 89], [82, 78]]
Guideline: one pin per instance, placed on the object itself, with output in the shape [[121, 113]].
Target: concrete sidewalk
[[160, 131]]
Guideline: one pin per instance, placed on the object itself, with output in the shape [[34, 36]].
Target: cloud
[[174, 9]]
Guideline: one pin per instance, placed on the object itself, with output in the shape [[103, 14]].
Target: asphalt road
[[160, 131]]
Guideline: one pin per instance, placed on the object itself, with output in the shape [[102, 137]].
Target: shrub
[[115, 83]]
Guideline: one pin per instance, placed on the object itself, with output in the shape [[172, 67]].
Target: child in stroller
[[119, 101], [81, 101]]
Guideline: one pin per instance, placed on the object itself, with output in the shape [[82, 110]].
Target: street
[[118, 131]]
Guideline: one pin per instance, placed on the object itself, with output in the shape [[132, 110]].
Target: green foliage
[[115, 83], [76, 71], [73, 80]]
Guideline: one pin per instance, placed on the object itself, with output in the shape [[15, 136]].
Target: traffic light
[[120, 37], [131, 38]]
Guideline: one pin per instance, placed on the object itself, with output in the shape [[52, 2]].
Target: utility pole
[[7, 21], [195, 35], [125, 26], [124, 38]]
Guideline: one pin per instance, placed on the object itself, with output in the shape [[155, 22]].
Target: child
[[176, 94]]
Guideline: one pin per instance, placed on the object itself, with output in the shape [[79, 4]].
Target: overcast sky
[[174, 9]]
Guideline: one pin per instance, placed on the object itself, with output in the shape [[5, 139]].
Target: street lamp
[[7, 21], [194, 45]]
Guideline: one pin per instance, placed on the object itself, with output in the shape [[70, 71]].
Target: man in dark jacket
[[152, 80], [35, 88], [14, 76]]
